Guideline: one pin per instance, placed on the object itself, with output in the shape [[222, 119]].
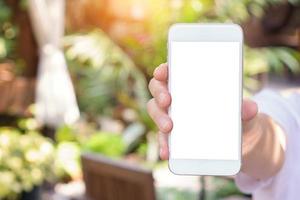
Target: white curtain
[[55, 98]]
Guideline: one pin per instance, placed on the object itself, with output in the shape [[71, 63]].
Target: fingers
[[160, 93], [161, 72], [158, 86], [164, 146], [249, 110], [157, 107], [159, 116]]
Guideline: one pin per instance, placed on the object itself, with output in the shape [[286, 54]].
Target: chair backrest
[[107, 179]]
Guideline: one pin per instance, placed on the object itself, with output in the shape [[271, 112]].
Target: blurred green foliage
[[71, 143], [26, 160], [108, 144], [266, 60], [67, 160], [8, 32], [107, 76], [68, 150], [176, 194], [108, 81], [142, 149], [65, 133], [149, 48]]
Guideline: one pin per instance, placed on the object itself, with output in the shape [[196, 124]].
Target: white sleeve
[[280, 110]]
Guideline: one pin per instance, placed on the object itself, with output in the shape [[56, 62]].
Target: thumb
[[249, 110]]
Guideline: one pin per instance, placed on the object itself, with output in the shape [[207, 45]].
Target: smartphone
[[205, 82]]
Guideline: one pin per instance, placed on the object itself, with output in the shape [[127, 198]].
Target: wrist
[[263, 154]]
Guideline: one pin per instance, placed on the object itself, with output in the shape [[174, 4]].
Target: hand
[[158, 106]]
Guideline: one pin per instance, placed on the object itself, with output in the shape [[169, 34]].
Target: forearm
[[263, 147]]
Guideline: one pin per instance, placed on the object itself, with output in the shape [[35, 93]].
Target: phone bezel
[[207, 33]]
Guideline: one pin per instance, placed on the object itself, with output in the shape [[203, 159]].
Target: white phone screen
[[204, 84]]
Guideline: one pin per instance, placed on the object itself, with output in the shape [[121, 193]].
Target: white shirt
[[285, 185]]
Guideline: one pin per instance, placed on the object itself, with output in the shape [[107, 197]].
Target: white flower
[[4, 140], [32, 156]]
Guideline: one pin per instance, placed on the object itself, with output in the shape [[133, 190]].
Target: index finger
[[161, 72]]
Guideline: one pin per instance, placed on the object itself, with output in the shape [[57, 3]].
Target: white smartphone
[[205, 82]]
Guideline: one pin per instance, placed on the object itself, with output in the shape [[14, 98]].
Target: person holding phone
[[270, 142]]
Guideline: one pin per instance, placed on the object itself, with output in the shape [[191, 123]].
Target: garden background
[[111, 48]]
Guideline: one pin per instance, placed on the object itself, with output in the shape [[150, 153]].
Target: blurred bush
[[240, 10], [71, 143], [268, 60], [147, 42], [108, 144], [26, 160], [108, 82], [67, 160]]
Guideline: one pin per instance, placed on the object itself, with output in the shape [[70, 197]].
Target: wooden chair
[[107, 179]]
